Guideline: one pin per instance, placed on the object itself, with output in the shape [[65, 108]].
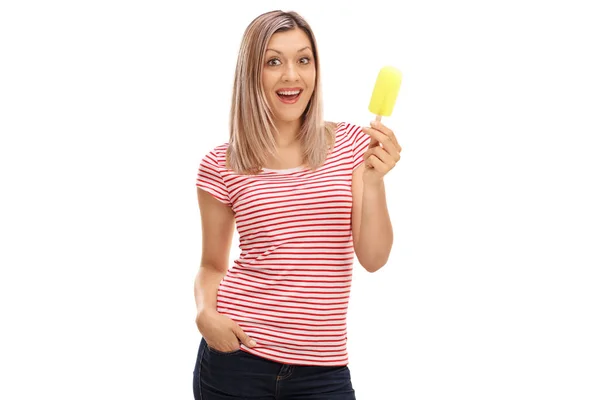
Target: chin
[[287, 113], [288, 117]]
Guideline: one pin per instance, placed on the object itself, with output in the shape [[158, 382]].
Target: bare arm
[[205, 288], [371, 226], [372, 231], [218, 222], [217, 233]]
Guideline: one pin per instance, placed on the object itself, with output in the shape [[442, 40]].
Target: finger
[[382, 156], [393, 154], [387, 131], [377, 152], [373, 143], [381, 127], [366, 156], [245, 339], [223, 346], [382, 138], [388, 158], [378, 165]]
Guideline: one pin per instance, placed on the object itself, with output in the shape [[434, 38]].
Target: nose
[[290, 73]]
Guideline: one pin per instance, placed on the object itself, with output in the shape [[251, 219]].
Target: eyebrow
[[302, 49]]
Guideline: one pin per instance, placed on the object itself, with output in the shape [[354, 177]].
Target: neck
[[287, 133]]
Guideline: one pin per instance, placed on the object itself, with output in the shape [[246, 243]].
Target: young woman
[[273, 324]]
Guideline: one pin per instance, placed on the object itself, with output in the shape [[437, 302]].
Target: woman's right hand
[[221, 332]]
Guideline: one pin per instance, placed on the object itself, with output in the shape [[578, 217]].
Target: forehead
[[289, 41]]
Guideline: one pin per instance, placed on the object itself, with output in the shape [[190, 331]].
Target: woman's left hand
[[383, 153]]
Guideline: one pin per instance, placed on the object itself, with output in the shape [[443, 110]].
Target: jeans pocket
[[223, 353]]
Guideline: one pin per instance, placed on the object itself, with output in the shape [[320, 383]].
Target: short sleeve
[[360, 144], [210, 178]]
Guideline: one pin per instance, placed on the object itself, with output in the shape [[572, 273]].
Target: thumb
[[245, 339]]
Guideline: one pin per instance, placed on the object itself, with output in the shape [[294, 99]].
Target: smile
[[289, 96]]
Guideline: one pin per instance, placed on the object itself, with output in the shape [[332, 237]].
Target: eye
[[305, 60], [273, 62]]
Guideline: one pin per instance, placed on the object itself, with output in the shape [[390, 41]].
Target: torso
[[290, 286]]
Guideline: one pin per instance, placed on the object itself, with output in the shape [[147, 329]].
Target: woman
[[273, 325]]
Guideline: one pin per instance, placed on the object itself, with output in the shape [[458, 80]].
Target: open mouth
[[289, 96]]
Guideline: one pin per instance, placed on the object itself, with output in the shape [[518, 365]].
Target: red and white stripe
[[290, 286]]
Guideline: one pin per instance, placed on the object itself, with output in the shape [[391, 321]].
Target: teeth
[[289, 93]]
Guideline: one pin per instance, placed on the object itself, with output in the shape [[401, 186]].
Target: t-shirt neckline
[[284, 171]]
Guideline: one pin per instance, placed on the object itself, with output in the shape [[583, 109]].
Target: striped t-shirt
[[290, 286]]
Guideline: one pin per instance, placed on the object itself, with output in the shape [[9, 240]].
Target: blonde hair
[[251, 126]]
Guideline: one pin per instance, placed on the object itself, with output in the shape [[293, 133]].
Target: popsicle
[[385, 92]]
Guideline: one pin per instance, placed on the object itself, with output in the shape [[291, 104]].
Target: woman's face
[[289, 74]]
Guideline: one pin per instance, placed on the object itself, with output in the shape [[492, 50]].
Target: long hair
[[251, 126]]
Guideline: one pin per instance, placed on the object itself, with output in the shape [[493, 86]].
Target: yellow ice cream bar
[[385, 91]]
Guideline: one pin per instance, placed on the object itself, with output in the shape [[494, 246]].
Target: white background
[[492, 289]]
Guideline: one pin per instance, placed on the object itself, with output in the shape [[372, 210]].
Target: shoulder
[[348, 132], [217, 157]]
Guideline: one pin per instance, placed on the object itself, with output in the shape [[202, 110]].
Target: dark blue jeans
[[240, 375]]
